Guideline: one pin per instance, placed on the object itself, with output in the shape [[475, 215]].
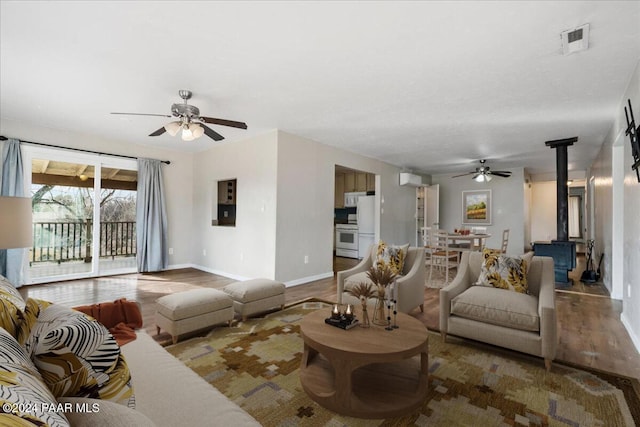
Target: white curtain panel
[[151, 218], [574, 216]]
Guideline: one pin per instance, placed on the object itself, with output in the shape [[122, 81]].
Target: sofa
[[60, 367], [410, 282], [521, 321]]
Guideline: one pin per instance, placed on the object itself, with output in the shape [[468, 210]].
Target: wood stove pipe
[[562, 189]]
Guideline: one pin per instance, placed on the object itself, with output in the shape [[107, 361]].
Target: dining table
[[459, 242], [467, 242]]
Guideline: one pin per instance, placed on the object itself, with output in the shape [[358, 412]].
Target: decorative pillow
[[24, 397], [503, 272], [11, 307], [76, 355], [391, 256], [29, 318]]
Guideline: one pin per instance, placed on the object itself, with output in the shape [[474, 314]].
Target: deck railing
[[72, 240]]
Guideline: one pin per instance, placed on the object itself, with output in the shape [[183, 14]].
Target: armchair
[[410, 285], [521, 322]]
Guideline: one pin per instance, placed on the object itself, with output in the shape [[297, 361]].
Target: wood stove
[[562, 250]]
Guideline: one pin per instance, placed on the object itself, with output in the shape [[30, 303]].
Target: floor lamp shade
[[15, 222]]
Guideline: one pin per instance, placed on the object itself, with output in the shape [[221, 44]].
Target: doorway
[[354, 215]]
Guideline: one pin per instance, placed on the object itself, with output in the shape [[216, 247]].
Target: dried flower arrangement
[[363, 291], [381, 276]]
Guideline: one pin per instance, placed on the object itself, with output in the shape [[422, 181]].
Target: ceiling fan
[[189, 121], [484, 173]]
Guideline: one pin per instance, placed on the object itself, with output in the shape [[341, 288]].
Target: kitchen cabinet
[[349, 182], [361, 181], [355, 181], [371, 182], [339, 191]]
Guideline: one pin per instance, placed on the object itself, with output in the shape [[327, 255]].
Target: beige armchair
[[410, 285], [521, 322]]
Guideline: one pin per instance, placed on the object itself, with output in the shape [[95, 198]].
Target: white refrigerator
[[365, 211]]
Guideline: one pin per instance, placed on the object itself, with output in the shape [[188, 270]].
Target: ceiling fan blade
[[224, 122], [504, 174], [158, 132], [464, 174], [142, 114], [212, 133]]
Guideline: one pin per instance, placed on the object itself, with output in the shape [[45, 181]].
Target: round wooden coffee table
[[365, 372]]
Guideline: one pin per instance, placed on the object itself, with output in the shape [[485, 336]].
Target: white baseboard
[[308, 279], [219, 272], [288, 284], [627, 324], [179, 266]]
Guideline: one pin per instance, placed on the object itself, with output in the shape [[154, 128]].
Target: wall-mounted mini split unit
[[410, 179], [575, 40]]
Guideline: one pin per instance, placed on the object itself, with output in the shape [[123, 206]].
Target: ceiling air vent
[[575, 40]]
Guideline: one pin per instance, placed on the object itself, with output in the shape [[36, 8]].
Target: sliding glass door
[[62, 206], [83, 215], [117, 220]]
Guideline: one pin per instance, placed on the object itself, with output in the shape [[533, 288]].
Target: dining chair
[[478, 243], [429, 247], [505, 241], [443, 255]]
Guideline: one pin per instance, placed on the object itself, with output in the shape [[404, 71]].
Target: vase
[[379, 317], [365, 315]]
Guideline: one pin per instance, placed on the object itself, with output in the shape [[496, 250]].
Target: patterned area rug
[[255, 364]]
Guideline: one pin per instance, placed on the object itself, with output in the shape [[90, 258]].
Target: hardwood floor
[[590, 331]]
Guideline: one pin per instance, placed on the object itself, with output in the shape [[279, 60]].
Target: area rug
[[439, 278], [255, 364]]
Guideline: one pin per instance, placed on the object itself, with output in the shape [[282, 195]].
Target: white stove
[[347, 238]]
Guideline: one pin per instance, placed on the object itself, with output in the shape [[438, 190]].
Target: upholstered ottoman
[[191, 310], [255, 296]]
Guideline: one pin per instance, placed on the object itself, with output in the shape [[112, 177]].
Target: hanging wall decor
[[633, 132]]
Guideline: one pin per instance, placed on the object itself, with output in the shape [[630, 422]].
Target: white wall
[[508, 201], [285, 202], [543, 211], [247, 250], [623, 284], [306, 185], [178, 176], [631, 259]]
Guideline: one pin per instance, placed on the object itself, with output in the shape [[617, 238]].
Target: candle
[[335, 313], [348, 313]]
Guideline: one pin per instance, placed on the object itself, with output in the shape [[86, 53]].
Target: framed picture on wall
[[476, 207]]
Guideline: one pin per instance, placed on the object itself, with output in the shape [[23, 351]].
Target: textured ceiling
[[428, 86]]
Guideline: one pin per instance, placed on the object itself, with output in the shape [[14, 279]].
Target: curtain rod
[[4, 138]]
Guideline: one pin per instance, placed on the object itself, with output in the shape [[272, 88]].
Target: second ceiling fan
[[190, 121], [484, 173]]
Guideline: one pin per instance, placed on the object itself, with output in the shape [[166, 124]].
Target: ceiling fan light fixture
[[196, 130], [173, 128], [481, 177], [187, 135]]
